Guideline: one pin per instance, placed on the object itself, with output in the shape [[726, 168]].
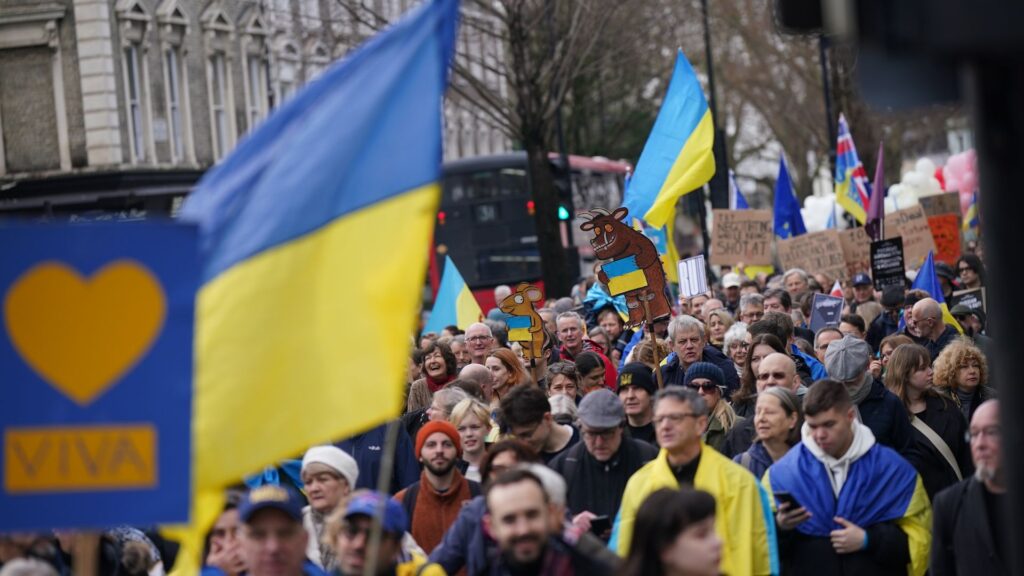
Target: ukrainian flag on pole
[[312, 236], [454, 304], [928, 281], [677, 158]]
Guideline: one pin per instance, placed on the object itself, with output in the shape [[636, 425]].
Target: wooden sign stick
[[654, 342]]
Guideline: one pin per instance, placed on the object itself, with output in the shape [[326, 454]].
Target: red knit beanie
[[437, 426]]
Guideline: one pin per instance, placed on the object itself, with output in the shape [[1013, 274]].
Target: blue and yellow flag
[[971, 219], [928, 281], [454, 303], [677, 158], [788, 220], [312, 237]]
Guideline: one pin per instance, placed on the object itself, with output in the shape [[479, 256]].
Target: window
[[257, 90], [174, 105], [219, 105], [133, 89]]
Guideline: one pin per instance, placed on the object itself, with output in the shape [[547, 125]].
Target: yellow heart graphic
[[82, 335]]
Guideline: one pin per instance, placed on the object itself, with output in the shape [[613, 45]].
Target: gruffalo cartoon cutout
[[524, 323], [632, 268]]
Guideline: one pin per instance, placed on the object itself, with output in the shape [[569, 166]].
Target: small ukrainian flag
[[624, 275]]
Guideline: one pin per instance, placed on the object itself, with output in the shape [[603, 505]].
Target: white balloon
[[925, 166]]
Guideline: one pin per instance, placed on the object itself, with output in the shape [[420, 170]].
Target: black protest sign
[[887, 267], [826, 310], [973, 299]]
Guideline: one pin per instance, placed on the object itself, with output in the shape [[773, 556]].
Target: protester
[[223, 553], [433, 503], [472, 419], [863, 291], [796, 282], [970, 519], [27, 567], [506, 372], [572, 333], [481, 376], [781, 326], [328, 475], [719, 322], [520, 518], [675, 536], [911, 298], [775, 370], [736, 345], [461, 351], [778, 300], [777, 423], [465, 544], [649, 353], [751, 308], [272, 538], [972, 272], [708, 381], [852, 506], [597, 469], [888, 321], [526, 414], [935, 334], [563, 378], [961, 370], [444, 402], [972, 321], [611, 322], [689, 345], [440, 367], [761, 346], [885, 349], [368, 448], [823, 338], [636, 390], [349, 531], [680, 416], [852, 325], [591, 368], [939, 451], [879, 410]]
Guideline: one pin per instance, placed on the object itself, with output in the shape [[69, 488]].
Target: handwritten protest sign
[[912, 225], [946, 234], [937, 204], [856, 249], [742, 236], [825, 311], [887, 266], [693, 278], [814, 252]]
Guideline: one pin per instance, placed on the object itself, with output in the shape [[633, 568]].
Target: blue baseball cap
[[861, 279], [368, 504], [272, 497]]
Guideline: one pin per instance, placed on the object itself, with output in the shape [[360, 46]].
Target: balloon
[[940, 178]]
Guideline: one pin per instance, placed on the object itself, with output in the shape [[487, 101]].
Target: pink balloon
[[965, 201], [969, 181]]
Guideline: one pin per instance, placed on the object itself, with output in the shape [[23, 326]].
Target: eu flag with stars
[[788, 221]]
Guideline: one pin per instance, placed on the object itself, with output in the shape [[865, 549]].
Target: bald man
[[709, 307], [936, 334], [779, 370]]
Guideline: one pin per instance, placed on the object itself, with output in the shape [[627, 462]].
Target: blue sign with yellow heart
[[96, 368]]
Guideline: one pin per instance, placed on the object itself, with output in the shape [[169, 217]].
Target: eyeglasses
[[478, 339], [775, 375], [963, 269], [673, 418], [706, 387], [602, 434], [990, 431]]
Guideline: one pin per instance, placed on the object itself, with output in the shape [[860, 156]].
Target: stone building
[[122, 104]]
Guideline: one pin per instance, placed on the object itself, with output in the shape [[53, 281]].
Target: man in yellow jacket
[[680, 417]]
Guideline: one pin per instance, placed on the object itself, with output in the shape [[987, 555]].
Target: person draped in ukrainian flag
[[844, 503]]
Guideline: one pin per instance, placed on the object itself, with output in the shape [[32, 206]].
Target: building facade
[[129, 101]]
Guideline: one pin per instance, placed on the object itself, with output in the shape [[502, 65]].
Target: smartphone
[[788, 498], [599, 525]]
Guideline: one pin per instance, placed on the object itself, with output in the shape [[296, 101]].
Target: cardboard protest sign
[[742, 236], [887, 265], [813, 252], [973, 299], [826, 310], [97, 343], [693, 276], [912, 225], [937, 204], [856, 249], [946, 234]]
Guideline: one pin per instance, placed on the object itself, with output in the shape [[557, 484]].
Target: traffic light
[[563, 212], [562, 176]]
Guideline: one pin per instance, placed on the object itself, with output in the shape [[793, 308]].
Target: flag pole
[[654, 342], [387, 464]]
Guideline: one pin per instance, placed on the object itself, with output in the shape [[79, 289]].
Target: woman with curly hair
[[744, 400], [962, 370], [939, 427], [439, 367]]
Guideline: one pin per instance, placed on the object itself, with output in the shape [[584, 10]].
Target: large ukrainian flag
[[677, 158], [312, 235]]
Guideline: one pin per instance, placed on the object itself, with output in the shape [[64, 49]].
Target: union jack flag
[[851, 178]]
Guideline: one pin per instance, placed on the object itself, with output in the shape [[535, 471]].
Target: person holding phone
[[845, 504]]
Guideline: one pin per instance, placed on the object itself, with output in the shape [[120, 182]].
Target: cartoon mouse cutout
[[524, 323], [632, 268]]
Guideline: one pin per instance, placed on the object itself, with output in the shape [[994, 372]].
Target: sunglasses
[[708, 387], [767, 375]]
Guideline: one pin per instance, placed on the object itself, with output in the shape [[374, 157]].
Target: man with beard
[[433, 503], [969, 522], [521, 518]]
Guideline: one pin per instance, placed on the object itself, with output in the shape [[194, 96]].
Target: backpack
[[413, 492]]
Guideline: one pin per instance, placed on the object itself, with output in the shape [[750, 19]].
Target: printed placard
[[973, 299], [742, 236], [887, 264], [814, 252], [826, 310], [693, 276]]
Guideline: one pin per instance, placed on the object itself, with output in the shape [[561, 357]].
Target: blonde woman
[[719, 322], [708, 380], [962, 370], [472, 419]]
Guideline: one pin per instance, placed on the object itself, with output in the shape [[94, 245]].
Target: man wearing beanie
[[329, 476], [597, 469], [877, 408], [637, 390], [434, 502], [708, 381]]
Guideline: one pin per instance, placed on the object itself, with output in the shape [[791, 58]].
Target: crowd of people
[[726, 439]]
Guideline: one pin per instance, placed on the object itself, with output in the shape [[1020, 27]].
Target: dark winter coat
[[962, 542], [597, 486]]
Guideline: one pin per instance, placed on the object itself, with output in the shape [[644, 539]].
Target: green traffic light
[[563, 213]]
